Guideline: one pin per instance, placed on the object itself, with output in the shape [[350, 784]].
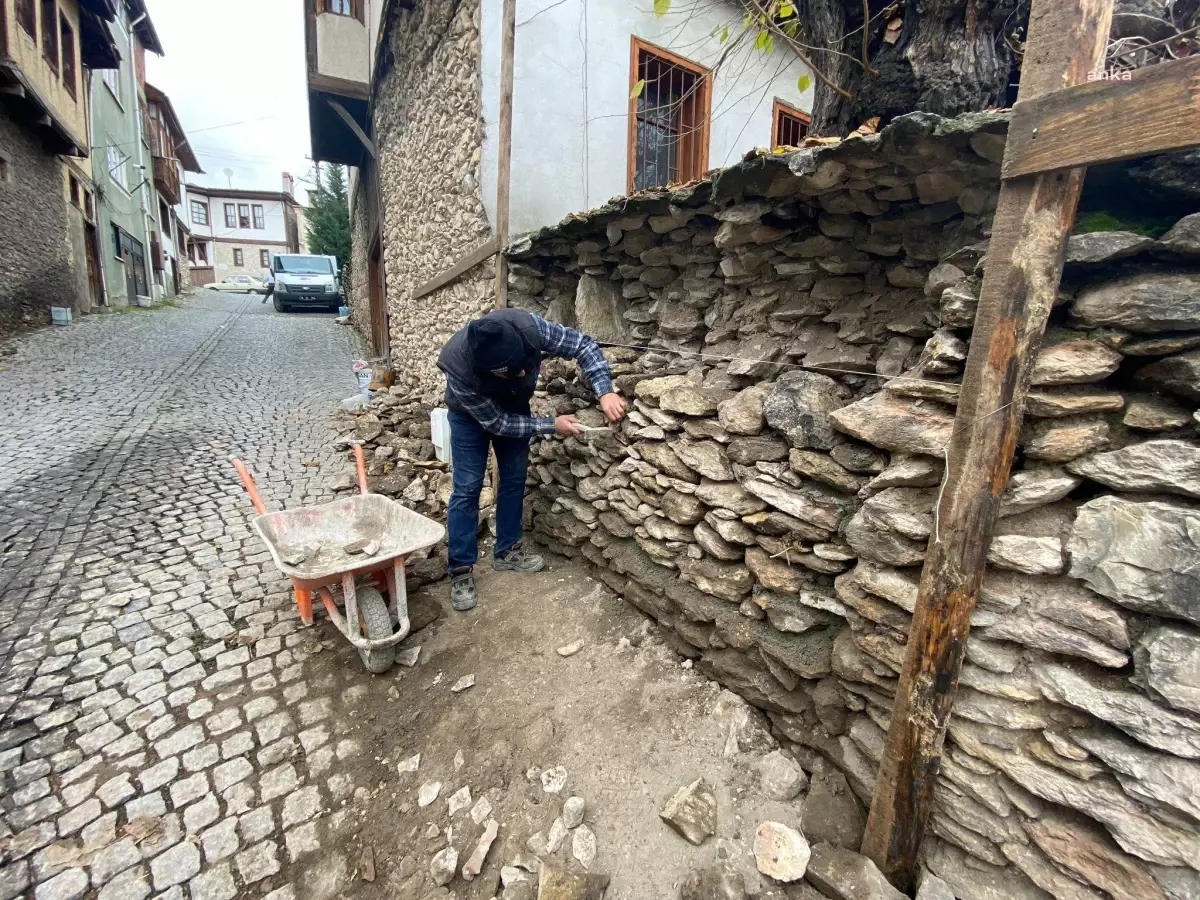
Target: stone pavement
[[158, 736]]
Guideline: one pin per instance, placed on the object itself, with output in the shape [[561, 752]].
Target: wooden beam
[[353, 126], [504, 167], [344, 87], [472, 259], [1156, 111], [1033, 219]]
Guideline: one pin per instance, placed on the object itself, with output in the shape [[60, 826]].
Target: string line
[[807, 368]]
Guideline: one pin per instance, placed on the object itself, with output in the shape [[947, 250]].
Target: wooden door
[[131, 283], [380, 337], [93, 267]]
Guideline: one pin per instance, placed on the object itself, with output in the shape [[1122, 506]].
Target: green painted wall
[[116, 123]]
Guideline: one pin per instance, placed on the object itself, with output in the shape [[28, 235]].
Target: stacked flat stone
[[394, 432], [774, 519]]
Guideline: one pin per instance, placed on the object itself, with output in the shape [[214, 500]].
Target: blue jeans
[[469, 457]]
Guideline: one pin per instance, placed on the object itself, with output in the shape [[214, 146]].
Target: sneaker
[[518, 559], [462, 591]]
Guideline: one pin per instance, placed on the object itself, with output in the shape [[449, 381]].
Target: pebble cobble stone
[[126, 562]]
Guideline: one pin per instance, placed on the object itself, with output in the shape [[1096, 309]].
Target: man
[[268, 286], [491, 369]]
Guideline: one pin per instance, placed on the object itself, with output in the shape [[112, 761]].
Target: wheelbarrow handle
[[248, 482], [361, 465]]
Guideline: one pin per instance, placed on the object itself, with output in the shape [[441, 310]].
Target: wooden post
[[508, 34], [1033, 219]]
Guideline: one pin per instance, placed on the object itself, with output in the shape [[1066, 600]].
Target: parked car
[[305, 280], [243, 284]]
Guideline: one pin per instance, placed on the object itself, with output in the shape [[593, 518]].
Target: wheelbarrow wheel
[[374, 623]]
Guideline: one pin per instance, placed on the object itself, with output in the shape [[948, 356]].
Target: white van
[[304, 280]]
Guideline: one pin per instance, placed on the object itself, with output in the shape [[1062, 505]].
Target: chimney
[[289, 184]]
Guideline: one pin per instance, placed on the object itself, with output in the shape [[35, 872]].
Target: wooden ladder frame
[[1061, 123]]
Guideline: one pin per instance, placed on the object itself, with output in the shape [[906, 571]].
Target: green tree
[[329, 218]]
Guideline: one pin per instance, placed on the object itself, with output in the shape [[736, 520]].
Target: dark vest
[[511, 394]]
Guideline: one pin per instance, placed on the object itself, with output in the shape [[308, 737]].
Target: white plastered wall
[[571, 96]]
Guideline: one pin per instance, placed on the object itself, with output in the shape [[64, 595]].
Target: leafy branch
[[777, 19]]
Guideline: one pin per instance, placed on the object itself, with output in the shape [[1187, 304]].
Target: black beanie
[[496, 346]]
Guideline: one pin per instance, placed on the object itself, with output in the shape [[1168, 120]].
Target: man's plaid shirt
[[557, 340]]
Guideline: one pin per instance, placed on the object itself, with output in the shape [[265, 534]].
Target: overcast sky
[[236, 61]]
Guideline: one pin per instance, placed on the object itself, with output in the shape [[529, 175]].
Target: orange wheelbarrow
[[353, 545]]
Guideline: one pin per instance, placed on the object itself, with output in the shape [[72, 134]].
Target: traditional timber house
[[125, 186], [235, 231], [607, 97], [171, 156], [47, 245]]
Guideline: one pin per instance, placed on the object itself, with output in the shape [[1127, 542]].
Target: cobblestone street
[[159, 735]]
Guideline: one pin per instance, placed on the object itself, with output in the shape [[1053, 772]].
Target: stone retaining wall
[[791, 335]]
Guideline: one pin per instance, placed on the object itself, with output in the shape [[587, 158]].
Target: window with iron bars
[[669, 118], [790, 126]]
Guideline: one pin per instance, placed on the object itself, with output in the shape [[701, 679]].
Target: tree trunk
[[824, 25], [951, 57]]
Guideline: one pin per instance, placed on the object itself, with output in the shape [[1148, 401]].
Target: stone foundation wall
[[429, 127], [791, 336], [223, 258], [358, 291], [36, 270]]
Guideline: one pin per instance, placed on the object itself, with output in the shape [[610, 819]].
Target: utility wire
[[889, 379], [191, 131]]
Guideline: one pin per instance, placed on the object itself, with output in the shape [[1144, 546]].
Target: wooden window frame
[[703, 105], [231, 215], [260, 218], [357, 9], [202, 253], [112, 81], [781, 109], [26, 13], [68, 50], [243, 218], [264, 258], [117, 166], [144, 112], [239, 258], [50, 42], [204, 218]]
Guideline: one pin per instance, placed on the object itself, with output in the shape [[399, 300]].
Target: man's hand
[[613, 406], [566, 426]]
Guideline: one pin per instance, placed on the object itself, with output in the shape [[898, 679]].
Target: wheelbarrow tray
[[320, 532]]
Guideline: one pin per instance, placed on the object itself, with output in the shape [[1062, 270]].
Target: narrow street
[[169, 729], [149, 657]]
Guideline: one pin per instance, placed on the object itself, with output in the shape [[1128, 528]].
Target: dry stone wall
[[791, 335], [429, 126], [358, 291]]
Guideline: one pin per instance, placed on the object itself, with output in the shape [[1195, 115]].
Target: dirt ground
[[624, 716]]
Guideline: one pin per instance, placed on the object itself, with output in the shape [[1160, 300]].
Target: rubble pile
[[394, 432], [792, 335]]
